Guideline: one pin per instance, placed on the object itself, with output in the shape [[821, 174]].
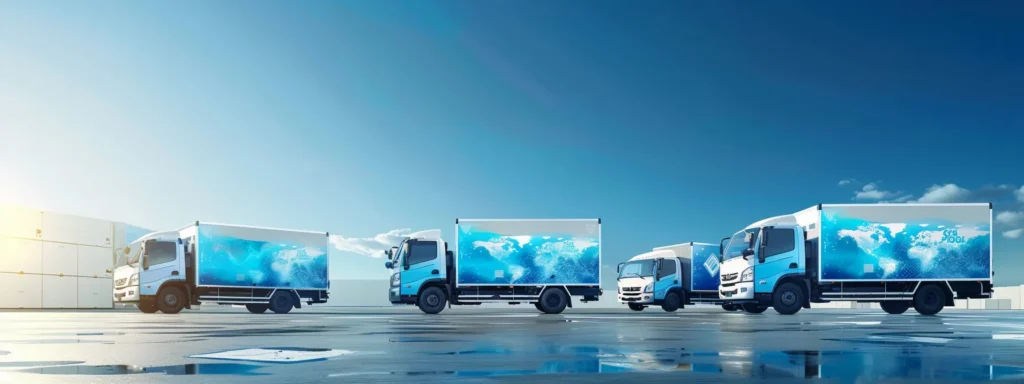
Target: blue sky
[[672, 121]]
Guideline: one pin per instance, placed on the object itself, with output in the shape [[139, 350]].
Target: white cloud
[[949, 193], [870, 187], [1009, 217], [1020, 194], [1014, 234], [873, 194], [370, 246], [845, 182]]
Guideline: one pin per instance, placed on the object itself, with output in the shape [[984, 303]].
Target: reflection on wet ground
[[841, 346], [184, 369]]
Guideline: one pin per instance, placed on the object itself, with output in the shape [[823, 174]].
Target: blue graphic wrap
[[704, 268], [231, 261], [549, 258], [857, 249]]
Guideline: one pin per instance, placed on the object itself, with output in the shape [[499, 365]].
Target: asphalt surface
[[513, 345]]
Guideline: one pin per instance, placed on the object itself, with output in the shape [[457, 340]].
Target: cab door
[[777, 256], [419, 264], [160, 262], [666, 278]]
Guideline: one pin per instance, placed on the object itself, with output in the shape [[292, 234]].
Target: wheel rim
[[931, 299], [553, 300], [788, 298], [171, 300], [433, 300]]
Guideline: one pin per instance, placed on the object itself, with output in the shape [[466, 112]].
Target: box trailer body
[[544, 262], [261, 268], [57, 260], [896, 254], [670, 276]]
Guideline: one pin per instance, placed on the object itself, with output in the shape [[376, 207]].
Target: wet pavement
[[510, 345]]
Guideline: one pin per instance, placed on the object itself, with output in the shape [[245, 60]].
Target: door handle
[[435, 272], [174, 273]]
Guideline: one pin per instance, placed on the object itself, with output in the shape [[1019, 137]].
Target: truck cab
[[147, 264], [760, 258], [419, 271], [652, 278]]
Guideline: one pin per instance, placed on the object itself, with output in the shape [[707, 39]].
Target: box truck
[[671, 276], [56, 260], [261, 268], [542, 262], [898, 255]]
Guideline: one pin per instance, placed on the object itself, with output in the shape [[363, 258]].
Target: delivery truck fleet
[[672, 277], [541, 262], [260, 268], [899, 255]]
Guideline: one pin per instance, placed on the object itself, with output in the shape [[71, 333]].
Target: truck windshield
[[130, 255], [639, 268], [740, 242]]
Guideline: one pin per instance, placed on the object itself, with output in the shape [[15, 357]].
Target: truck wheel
[[553, 301], [753, 308], [895, 307], [671, 303], [257, 308], [636, 307], [432, 300], [929, 300], [730, 307], [788, 299], [146, 306], [170, 300], [281, 302]]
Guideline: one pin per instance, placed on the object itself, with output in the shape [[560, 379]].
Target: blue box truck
[[544, 262], [671, 276], [898, 255]]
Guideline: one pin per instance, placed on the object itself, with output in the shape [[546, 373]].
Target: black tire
[[553, 301], [281, 302], [753, 308], [146, 306], [929, 300], [730, 307], [537, 305], [257, 308], [432, 300], [672, 302], [895, 307], [636, 307], [170, 300], [788, 299]]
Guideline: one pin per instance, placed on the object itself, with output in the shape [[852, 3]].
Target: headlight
[[134, 280], [649, 288], [747, 275], [396, 279]]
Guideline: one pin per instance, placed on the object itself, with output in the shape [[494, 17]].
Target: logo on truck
[[711, 264], [952, 236]]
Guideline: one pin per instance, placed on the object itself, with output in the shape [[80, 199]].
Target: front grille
[[727, 293], [729, 284], [729, 276], [631, 289]]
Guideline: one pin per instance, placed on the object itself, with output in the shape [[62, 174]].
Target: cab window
[[780, 240], [668, 268], [160, 252], [421, 252]]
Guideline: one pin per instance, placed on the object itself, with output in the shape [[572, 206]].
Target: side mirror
[[145, 263], [760, 257], [748, 252], [618, 268], [388, 265]]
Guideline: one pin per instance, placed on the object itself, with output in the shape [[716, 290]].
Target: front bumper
[[129, 294], [737, 292], [636, 298]]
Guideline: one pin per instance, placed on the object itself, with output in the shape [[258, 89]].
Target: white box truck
[[56, 260], [261, 268], [899, 255], [543, 262], [671, 276]]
